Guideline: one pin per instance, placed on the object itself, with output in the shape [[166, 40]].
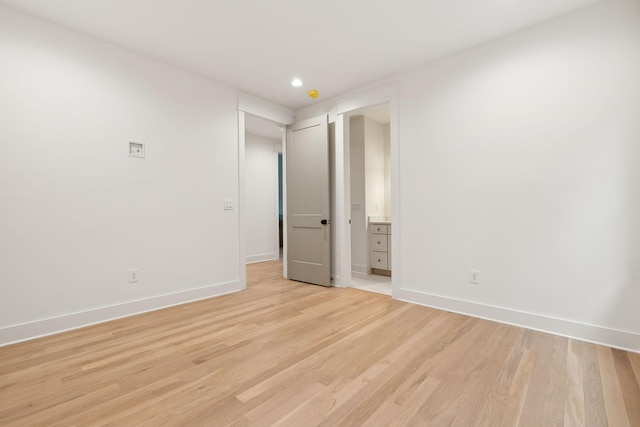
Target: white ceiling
[[332, 45]]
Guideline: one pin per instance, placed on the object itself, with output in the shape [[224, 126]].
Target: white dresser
[[380, 247]]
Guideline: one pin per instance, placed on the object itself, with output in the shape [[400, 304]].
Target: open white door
[[308, 206]]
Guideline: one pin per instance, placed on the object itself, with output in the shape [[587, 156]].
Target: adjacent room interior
[[371, 223], [263, 189]]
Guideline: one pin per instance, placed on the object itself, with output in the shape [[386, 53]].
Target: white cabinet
[[380, 247]]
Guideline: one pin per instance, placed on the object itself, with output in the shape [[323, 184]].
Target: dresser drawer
[[379, 242], [379, 260], [378, 228]]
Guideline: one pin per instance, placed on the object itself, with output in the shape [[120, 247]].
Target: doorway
[[341, 205], [280, 204], [370, 195], [263, 191]]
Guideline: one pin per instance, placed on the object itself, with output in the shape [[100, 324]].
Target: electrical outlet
[[228, 204], [133, 275], [474, 277]]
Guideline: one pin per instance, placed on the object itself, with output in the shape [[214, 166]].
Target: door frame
[[282, 117], [341, 114]]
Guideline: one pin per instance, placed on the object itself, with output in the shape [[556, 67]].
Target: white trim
[[251, 259], [623, 340], [266, 111], [343, 203], [276, 211], [396, 197], [67, 322], [242, 221], [357, 273], [369, 98], [342, 112], [359, 269], [282, 116], [285, 265], [338, 283]]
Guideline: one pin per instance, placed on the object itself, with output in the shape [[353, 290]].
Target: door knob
[[324, 222]]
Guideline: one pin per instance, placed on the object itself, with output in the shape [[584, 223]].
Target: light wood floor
[[285, 353]]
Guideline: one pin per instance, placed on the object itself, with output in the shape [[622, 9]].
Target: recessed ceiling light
[[296, 82]]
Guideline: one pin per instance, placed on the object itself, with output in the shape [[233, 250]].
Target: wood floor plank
[[485, 387], [574, 384], [533, 411], [400, 410], [628, 385], [341, 390], [594, 407], [489, 410], [362, 404], [553, 413], [318, 353], [634, 359], [456, 389], [269, 413], [514, 404], [319, 358], [613, 399], [290, 354]]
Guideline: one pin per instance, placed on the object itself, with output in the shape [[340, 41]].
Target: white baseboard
[[337, 282], [623, 340], [357, 268], [359, 274], [262, 257], [54, 325]]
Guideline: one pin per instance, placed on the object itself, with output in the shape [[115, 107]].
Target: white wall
[[359, 242], [368, 182], [335, 247], [521, 158], [77, 212], [261, 181], [374, 167], [387, 170]]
